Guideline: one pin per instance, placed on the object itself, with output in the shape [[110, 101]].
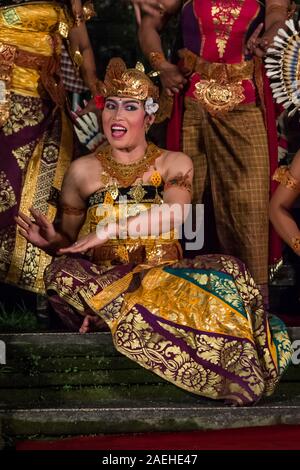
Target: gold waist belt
[[220, 87], [48, 67], [137, 253]]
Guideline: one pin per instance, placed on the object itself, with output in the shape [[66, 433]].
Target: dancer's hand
[[253, 45], [171, 78], [38, 230], [91, 241], [152, 7]]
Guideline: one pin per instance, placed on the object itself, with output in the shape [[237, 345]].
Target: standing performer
[[223, 128], [35, 134]]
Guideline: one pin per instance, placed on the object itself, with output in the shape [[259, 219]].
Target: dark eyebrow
[[131, 101], [115, 100]]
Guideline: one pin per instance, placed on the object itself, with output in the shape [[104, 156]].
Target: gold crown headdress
[[122, 82]]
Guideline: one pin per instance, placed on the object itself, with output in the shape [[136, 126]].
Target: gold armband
[[71, 210], [156, 59], [88, 11], [295, 244], [278, 8], [284, 177]]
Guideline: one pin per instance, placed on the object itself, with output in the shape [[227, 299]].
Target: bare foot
[[91, 323]]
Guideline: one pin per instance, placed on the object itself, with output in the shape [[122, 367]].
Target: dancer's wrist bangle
[[156, 59], [295, 244]]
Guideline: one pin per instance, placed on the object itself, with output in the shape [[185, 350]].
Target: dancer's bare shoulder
[[176, 163], [84, 174]]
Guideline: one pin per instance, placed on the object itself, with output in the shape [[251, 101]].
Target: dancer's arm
[[160, 218], [282, 202], [150, 41]]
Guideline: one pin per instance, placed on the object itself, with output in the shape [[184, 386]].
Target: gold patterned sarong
[[35, 138]]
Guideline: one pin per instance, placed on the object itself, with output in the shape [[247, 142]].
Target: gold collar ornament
[[127, 174]]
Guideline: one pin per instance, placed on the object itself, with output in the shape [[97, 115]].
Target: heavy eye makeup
[[126, 105]]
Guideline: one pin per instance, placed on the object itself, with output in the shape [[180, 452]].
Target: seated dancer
[[199, 323]]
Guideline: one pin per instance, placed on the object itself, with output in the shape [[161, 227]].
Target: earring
[[147, 127]]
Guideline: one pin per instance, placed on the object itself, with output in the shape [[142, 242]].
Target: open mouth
[[118, 131]]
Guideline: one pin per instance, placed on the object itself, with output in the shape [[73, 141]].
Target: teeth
[[118, 128]]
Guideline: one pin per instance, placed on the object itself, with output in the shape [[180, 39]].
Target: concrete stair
[[56, 384]]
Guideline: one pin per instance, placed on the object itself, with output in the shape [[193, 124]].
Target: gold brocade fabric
[[46, 164], [220, 88], [198, 324], [35, 136], [224, 16], [145, 250], [31, 28]]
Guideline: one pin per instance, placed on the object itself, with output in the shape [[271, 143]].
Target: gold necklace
[[127, 173]]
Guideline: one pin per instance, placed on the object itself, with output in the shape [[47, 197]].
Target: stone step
[[70, 344], [43, 360], [102, 396], [144, 416], [56, 384]]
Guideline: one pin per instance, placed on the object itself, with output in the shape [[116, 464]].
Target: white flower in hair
[[150, 106]]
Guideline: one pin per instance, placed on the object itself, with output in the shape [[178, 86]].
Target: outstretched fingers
[[40, 218], [23, 221], [77, 247]]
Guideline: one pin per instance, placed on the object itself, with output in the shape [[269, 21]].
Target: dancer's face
[[124, 122]]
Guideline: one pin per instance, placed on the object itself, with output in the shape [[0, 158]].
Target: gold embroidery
[[187, 357], [284, 177], [7, 57], [192, 305], [7, 195], [23, 154], [10, 16], [24, 111], [40, 176], [220, 87], [136, 339], [122, 253], [137, 193], [218, 98], [31, 265], [224, 15], [7, 241], [108, 199]]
